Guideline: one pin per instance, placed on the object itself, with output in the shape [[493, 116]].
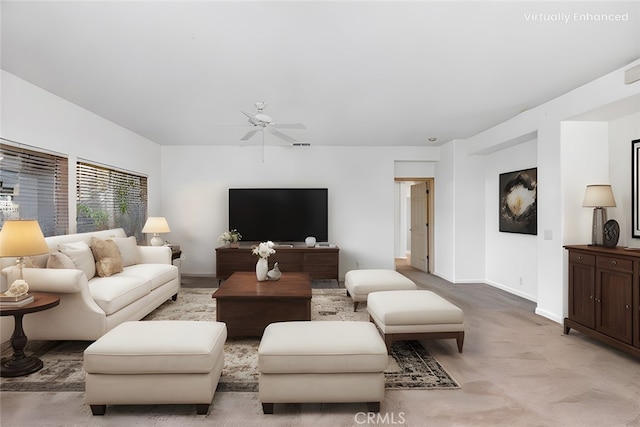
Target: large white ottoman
[[321, 362], [360, 283], [419, 314], [155, 362]]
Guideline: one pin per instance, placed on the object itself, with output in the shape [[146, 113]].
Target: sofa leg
[[98, 409], [355, 305], [373, 406], [174, 297], [202, 408], [267, 408]]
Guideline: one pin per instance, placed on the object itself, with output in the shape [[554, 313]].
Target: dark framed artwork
[[519, 202], [635, 188]]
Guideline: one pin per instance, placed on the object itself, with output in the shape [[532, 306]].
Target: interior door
[[419, 227]]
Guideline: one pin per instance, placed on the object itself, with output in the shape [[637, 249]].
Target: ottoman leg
[[267, 408], [460, 341], [98, 409], [202, 408], [373, 406]]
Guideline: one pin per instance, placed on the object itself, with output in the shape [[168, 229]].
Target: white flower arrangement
[[264, 249], [231, 236]]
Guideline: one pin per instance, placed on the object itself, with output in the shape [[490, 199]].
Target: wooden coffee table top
[[244, 284]]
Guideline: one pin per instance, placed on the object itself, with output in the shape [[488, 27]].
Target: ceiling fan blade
[[281, 135], [289, 125], [248, 135], [231, 124]]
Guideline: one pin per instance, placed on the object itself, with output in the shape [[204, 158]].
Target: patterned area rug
[[410, 365]]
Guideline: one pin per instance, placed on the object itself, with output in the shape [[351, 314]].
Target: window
[[108, 198], [34, 185]]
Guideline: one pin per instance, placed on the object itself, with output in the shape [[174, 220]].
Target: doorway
[[415, 223]]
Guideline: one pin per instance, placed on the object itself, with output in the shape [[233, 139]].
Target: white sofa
[[91, 307]]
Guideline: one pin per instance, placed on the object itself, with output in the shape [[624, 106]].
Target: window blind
[[109, 198], [34, 185]]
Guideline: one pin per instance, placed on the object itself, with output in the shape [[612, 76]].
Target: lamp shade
[[22, 237], [598, 196], [156, 224]]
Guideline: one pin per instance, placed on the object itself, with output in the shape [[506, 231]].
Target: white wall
[[621, 132], [361, 187], [38, 118], [511, 258], [546, 120]]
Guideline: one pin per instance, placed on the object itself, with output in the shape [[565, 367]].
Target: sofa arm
[[49, 280], [155, 254]]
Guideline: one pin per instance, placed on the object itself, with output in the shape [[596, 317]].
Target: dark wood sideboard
[[604, 295], [319, 262]]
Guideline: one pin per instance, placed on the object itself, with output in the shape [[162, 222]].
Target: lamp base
[[156, 241], [597, 228]]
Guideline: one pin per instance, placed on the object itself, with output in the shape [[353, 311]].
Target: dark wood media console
[[319, 262]]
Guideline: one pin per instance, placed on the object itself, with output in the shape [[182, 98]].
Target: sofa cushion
[[115, 292], [107, 256], [128, 248], [157, 274], [81, 255], [59, 260]]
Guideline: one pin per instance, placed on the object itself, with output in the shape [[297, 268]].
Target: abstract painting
[[518, 202]]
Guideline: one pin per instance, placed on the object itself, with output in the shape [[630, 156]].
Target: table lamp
[[156, 225], [598, 197], [21, 238]]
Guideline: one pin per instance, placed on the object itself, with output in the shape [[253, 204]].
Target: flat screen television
[[279, 214]]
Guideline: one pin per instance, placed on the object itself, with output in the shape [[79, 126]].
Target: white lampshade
[[156, 225], [598, 196], [22, 237]]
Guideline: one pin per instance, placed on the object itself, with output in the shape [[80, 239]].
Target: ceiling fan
[[261, 122]]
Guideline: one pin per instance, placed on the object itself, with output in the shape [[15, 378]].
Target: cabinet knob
[[590, 296], [627, 306], [614, 262], [597, 299], [580, 257]]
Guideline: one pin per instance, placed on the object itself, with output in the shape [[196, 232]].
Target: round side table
[[20, 364]]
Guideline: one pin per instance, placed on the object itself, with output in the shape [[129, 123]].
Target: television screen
[[279, 214]]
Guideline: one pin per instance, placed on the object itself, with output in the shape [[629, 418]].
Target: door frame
[[430, 217]]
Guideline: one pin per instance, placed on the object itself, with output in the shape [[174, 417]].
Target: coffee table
[[247, 306]]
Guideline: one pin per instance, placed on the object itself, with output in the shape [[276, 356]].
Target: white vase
[[262, 267]]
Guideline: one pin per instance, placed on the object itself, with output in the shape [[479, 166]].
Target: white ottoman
[[419, 314], [321, 362], [155, 362], [360, 283]]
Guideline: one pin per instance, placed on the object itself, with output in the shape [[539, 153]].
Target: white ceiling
[[356, 73]]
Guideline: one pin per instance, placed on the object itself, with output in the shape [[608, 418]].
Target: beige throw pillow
[[81, 255], [59, 260], [128, 248], [107, 256]]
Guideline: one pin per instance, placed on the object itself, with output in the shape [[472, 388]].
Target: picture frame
[[518, 195], [635, 188]]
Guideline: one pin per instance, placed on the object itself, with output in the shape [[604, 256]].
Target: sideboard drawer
[[580, 258], [618, 264]]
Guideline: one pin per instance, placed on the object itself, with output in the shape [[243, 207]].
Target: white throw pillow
[[128, 248], [59, 260], [81, 255]]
